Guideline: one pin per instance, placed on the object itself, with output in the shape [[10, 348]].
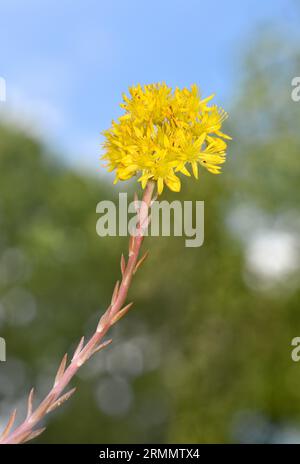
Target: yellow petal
[[221, 134], [144, 179], [137, 131], [185, 171], [166, 141], [199, 142], [195, 168], [160, 185], [173, 182], [207, 99]]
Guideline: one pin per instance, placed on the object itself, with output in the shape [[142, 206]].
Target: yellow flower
[[163, 133]]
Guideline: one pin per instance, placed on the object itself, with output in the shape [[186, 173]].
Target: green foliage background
[[204, 356]]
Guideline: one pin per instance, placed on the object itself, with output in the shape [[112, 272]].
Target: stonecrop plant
[[163, 133]]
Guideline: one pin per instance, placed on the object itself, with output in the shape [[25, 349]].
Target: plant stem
[[25, 431]]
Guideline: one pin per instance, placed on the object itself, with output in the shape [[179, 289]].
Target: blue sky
[[66, 63]]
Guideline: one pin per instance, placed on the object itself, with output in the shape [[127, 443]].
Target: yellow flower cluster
[[163, 133]]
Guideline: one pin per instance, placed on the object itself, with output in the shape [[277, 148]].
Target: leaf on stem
[[103, 320], [121, 313], [115, 293], [42, 409], [123, 264], [61, 370], [30, 403], [101, 346], [79, 348], [9, 425], [33, 435], [141, 261], [61, 400]]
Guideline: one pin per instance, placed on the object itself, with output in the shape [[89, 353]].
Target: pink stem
[[24, 431]]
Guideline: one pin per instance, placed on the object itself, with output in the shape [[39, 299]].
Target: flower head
[[163, 133]]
